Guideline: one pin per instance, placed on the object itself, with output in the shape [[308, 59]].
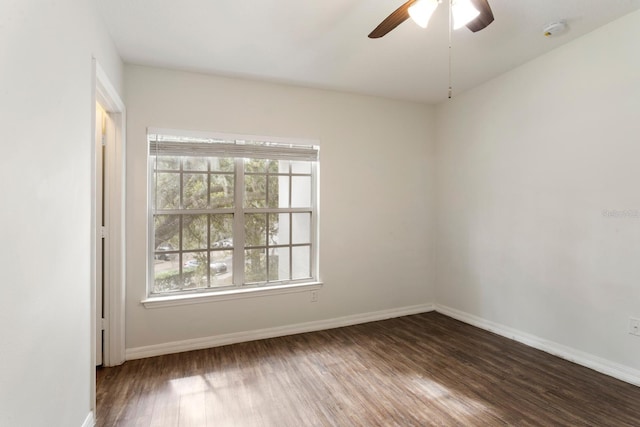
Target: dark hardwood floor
[[419, 370]]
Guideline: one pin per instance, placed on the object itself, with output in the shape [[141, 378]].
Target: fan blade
[[484, 19], [396, 18]]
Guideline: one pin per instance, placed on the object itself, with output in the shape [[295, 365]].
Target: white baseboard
[[89, 421], [596, 363], [279, 331]]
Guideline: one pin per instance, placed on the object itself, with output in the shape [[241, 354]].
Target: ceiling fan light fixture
[[463, 12], [421, 11]]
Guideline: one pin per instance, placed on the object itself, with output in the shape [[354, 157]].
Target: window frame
[[239, 288]]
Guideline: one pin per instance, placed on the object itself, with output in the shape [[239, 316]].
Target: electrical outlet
[[314, 296], [634, 326]]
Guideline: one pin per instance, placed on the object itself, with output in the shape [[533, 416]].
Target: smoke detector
[[553, 29]]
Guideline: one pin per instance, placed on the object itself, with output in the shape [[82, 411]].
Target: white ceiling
[[324, 43]]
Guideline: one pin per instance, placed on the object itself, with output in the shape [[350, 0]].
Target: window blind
[[195, 144]]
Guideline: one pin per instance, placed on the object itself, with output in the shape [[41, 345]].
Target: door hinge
[[103, 232], [103, 140], [102, 324]]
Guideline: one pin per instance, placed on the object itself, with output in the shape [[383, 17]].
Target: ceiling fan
[[474, 14]]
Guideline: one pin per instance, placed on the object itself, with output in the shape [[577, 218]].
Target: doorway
[[108, 226], [109, 223]]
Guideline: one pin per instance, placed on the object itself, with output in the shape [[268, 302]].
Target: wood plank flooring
[[422, 370]]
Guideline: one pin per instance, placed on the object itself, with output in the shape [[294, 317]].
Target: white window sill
[[186, 299]]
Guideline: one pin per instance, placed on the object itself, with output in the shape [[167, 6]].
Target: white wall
[[526, 164], [46, 134], [376, 242]]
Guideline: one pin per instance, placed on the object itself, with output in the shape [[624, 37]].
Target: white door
[[105, 143], [99, 195], [105, 134]]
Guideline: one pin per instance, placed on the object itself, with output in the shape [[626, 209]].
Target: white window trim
[[214, 296], [240, 292]]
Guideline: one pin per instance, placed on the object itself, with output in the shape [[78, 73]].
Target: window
[[230, 212]]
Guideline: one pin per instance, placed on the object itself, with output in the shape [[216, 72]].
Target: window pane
[[167, 190], [194, 163], [279, 264], [274, 191], [191, 260], [166, 276], [300, 191], [194, 270], [221, 268], [279, 229], [273, 166], [301, 167], [279, 191], [221, 191], [255, 195], [301, 228], [195, 191], [221, 231], [194, 232], [167, 234], [255, 265], [221, 164], [255, 165], [255, 229], [301, 262], [167, 163], [283, 166], [166, 259]]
